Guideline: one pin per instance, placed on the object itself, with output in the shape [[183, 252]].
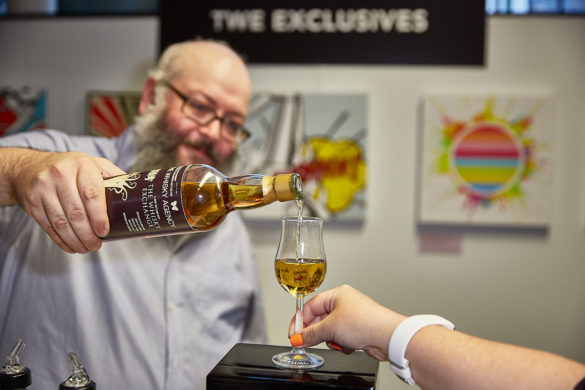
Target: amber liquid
[[300, 277], [207, 204]]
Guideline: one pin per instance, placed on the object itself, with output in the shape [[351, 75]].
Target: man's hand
[[63, 192]]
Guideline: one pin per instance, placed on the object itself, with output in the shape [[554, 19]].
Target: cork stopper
[[288, 187]]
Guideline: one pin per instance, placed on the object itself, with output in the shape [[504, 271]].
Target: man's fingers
[[108, 169], [91, 190], [74, 199], [59, 223], [45, 224]]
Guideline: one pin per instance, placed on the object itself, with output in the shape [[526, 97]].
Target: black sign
[[441, 32]]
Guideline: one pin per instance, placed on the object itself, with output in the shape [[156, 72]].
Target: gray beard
[[154, 149], [156, 146]]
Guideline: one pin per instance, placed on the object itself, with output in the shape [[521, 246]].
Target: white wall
[[516, 287], [69, 56], [520, 288]]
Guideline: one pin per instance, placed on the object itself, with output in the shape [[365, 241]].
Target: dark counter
[[249, 366]]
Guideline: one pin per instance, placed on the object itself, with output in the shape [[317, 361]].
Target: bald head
[[204, 59]]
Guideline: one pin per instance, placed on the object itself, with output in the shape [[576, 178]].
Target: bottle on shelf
[[13, 376], [78, 380], [188, 199]]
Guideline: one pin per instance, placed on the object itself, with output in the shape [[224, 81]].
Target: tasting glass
[[300, 267]]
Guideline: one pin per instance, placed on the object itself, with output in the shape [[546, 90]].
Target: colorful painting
[[486, 160], [321, 137], [110, 113], [22, 109]]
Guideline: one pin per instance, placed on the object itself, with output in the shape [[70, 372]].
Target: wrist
[[14, 162], [391, 321], [375, 334]]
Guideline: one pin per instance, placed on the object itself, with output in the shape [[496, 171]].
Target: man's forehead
[[214, 70]]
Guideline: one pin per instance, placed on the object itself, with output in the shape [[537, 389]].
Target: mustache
[[207, 147], [201, 145]]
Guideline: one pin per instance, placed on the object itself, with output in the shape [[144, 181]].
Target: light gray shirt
[[155, 313]]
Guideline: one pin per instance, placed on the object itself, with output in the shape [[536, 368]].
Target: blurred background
[[516, 285]]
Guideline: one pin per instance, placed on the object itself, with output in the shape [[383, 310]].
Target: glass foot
[[298, 360]]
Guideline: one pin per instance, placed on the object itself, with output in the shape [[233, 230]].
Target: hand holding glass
[[300, 268]]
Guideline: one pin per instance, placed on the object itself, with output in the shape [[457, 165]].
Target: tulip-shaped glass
[[300, 268]]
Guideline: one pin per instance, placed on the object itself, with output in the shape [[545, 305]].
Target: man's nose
[[212, 129]]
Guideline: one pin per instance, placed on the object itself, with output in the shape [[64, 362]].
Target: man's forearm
[[11, 162]]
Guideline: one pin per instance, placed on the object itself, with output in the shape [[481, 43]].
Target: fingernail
[[296, 340], [103, 231], [334, 346]]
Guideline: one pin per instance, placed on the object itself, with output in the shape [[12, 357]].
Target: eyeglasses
[[204, 114]]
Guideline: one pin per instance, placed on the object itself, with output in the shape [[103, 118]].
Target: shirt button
[[172, 307]]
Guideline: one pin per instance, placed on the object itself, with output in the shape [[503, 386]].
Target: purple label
[[146, 204]]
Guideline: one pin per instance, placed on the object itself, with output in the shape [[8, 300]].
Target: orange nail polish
[[296, 340], [334, 346]]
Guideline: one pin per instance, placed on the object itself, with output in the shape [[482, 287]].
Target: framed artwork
[[22, 109], [110, 113], [322, 137], [486, 160]]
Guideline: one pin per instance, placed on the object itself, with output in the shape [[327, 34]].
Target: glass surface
[[300, 268]]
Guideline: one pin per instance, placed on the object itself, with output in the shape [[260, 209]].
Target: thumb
[[311, 335], [315, 334], [107, 168]]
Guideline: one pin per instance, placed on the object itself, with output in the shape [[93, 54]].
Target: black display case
[[249, 366]]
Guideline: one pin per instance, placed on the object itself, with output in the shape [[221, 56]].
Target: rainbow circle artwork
[[486, 160]]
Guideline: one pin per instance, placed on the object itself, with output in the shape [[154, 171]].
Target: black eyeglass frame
[[241, 133]]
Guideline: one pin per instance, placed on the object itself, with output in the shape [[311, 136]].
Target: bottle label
[[146, 204]]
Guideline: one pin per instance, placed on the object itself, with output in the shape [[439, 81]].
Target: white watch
[[401, 337]]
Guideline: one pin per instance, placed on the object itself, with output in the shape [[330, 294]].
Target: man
[[155, 313], [438, 358]]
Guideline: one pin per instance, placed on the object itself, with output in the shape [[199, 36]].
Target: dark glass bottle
[[187, 199]]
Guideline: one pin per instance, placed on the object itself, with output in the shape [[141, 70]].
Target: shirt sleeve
[[58, 141], [44, 140], [580, 385]]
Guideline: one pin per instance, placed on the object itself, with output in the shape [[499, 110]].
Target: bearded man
[[154, 313]]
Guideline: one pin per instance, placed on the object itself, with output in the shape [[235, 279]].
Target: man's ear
[[147, 97]]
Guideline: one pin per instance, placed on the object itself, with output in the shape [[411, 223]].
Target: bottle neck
[[288, 187]]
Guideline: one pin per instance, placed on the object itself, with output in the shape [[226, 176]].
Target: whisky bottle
[[13, 376], [188, 199]]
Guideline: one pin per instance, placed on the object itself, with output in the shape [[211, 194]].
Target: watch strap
[[402, 335]]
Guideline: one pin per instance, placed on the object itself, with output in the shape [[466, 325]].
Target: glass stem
[[299, 320]]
